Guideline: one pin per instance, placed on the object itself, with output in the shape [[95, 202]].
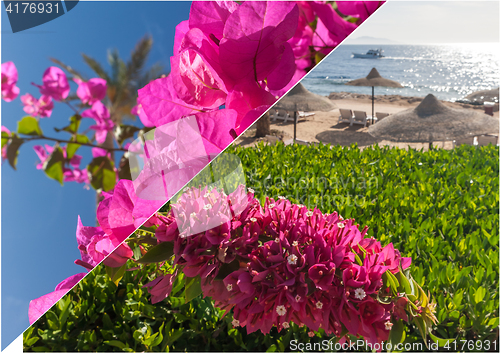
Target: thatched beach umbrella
[[483, 95], [300, 99], [433, 121], [374, 79]]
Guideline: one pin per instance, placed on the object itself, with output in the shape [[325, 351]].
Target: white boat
[[371, 54]]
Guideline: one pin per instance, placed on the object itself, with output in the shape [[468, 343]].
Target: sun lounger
[[280, 114], [297, 141], [463, 141], [381, 116], [359, 118], [305, 114], [345, 116], [485, 140]]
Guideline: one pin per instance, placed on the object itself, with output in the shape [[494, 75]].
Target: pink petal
[[210, 16]]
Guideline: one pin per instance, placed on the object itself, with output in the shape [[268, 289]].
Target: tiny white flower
[[297, 298], [319, 305], [207, 206], [388, 326], [235, 322], [292, 259], [207, 194], [229, 287], [281, 197], [300, 205], [251, 190], [277, 239], [281, 310], [295, 243], [186, 189], [341, 217], [285, 325], [340, 225], [310, 334], [193, 214], [359, 294], [271, 206], [253, 219], [309, 213]]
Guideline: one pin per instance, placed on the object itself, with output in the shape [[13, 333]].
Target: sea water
[[448, 71]]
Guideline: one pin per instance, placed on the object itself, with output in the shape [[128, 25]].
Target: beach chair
[[305, 114], [297, 141], [381, 116], [280, 114], [359, 118], [345, 116], [271, 139], [485, 140], [464, 141]]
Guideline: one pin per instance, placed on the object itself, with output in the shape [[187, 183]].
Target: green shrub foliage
[[439, 207]]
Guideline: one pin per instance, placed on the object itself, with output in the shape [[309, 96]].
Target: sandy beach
[[324, 127]]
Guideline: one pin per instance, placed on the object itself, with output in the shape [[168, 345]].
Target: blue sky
[[39, 217], [427, 22]]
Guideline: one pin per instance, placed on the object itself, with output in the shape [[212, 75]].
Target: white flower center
[[388, 326], [319, 305], [229, 287], [359, 294], [309, 213], [207, 206], [297, 298], [253, 219], [292, 259], [235, 322], [285, 325], [271, 206], [340, 225], [193, 215], [251, 190], [295, 243], [281, 310]]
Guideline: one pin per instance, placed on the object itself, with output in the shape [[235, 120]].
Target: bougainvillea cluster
[[231, 62], [283, 263]]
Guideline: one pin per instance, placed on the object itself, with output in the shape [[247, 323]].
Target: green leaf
[[440, 341], [73, 147], [74, 124], [53, 166], [5, 138], [158, 253], [13, 150], [123, 132], [101, 173], [116, 274], [29, 126], [479, 294], [115, 343], [397, 333], [193, 288]]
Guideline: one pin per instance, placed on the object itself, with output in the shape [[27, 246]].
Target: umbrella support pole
[[373, 103], [294, 126]]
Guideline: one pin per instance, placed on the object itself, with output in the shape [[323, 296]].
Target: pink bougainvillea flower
[[161, 103], [9, 79], [331, 29], [138, 111], [254, 40], [104, 124], [161, 287], [43, 154], [76, 175], [91, 91], [107, 247], [55, 84], [4, 149], [42, 304], [360, 9], [42, 107], [211, 16]]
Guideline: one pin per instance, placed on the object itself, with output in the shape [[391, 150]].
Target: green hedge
[[440, 207]]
